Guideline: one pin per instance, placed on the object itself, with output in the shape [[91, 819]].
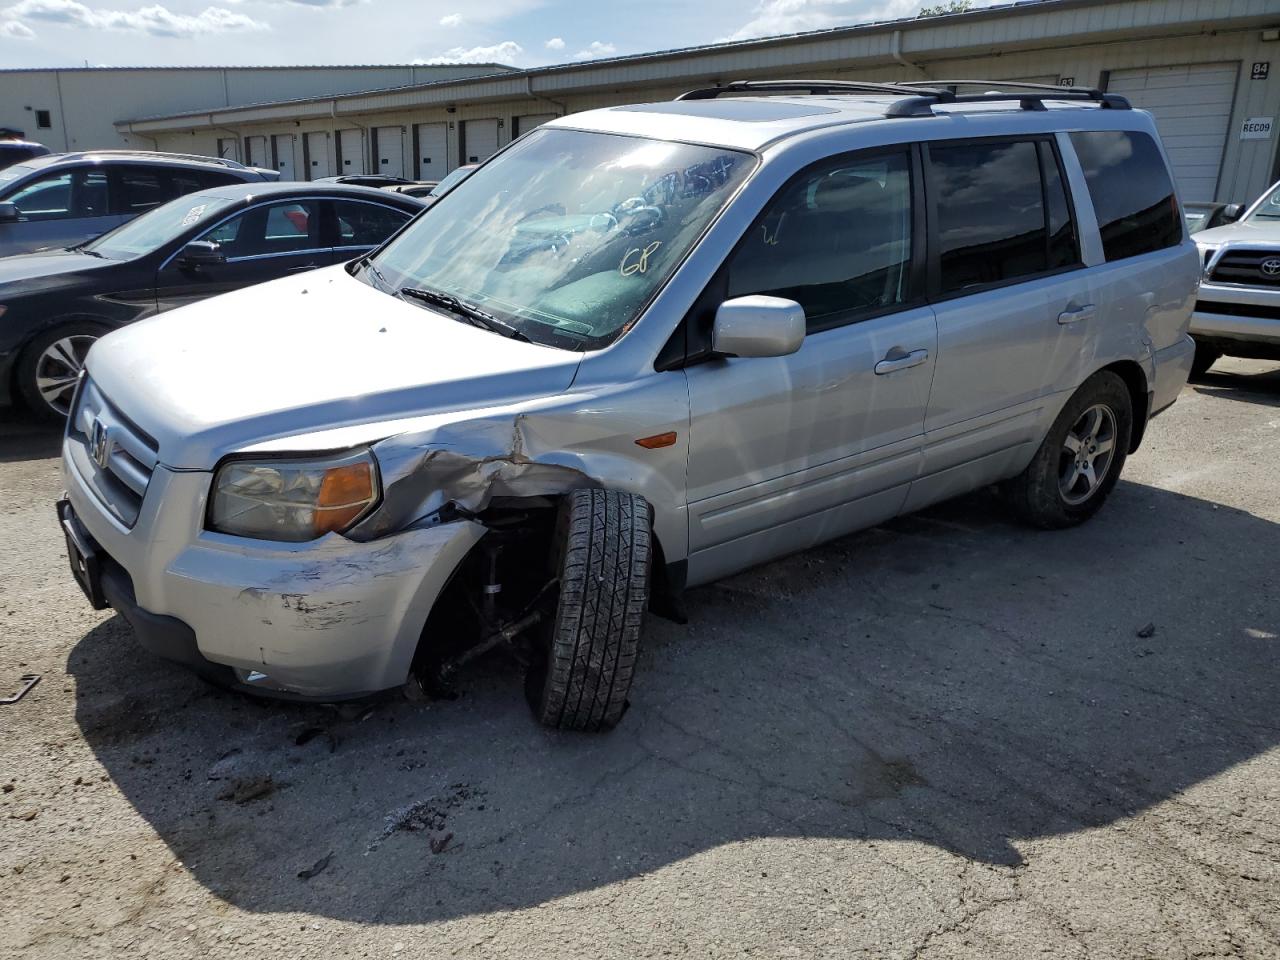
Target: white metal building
[[75, 109]]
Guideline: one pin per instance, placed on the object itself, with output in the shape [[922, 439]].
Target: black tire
[[1206, 356], [1037, 495], [603, 554], [29, 367]]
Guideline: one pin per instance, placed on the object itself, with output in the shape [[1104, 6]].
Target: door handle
[[1076, 314], [301, 267], [896, 359]]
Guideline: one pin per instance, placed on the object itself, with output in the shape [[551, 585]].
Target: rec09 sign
[[1256, 128]]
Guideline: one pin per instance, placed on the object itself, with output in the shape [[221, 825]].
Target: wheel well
[[1139, 395]]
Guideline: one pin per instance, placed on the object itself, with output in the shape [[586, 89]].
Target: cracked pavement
[[943, 737]]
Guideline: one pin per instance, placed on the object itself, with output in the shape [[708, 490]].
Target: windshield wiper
[[469, 312]]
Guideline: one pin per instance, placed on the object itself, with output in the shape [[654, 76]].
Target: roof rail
[[921, 97], [220, 161]]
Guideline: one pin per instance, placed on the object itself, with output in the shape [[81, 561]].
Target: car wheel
[[1080, 459], [1206, 356], [602, 556], [50, 368]]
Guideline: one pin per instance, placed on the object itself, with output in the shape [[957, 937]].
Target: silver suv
[[639, 349], [1238, 310]]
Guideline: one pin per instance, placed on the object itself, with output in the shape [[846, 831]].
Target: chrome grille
[[1245, 267], [111, 453]]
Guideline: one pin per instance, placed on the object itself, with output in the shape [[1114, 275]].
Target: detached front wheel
[[602, 555]]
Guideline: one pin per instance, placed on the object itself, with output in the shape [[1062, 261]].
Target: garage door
[[479, 140], [255, 152], [282, 148], [531, 121], [1192, 108], [390, 142], [433, 151], [350, 152], [318, 155]]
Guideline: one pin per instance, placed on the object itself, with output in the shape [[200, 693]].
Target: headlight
[[293, 500]]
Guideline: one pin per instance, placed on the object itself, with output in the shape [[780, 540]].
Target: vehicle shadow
[[1249, 385], [949, 678], [22, 439]]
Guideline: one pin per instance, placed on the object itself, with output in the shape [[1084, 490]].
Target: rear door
[[357, 226], [1014, 306], [787, 451], [261, 243]]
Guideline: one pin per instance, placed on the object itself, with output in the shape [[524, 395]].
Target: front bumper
[[328, 619], [1235, 312]]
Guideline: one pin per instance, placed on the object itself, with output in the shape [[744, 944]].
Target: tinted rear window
[[1131, 191]]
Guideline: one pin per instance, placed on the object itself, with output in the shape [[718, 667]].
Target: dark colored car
[[15, 151], [55, 304], [66, 198]]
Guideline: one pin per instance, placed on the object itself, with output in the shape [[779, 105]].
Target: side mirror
[[201, 253], [9, 213], [758, 326], [1232, 212]]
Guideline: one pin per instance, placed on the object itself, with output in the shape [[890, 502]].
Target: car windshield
[[566, 235], [1269, 208], [156, 227], [451, 178]]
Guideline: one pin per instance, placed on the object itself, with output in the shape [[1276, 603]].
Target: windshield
[[566, 235], [445, 185], [1269, 208], [156, 227]]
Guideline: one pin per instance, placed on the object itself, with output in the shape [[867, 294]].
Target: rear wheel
[[1080, 459], [50, 368], [602, 556]]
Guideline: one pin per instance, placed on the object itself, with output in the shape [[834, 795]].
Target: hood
[[25, 267], [1249, 231], [303, 354]]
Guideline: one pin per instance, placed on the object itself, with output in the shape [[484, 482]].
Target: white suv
[[639, 349]]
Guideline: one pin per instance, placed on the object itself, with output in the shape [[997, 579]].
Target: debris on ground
[[25, 683], [438, 844], [317, 868], [246, 791], [428, 815], [1148, 631]]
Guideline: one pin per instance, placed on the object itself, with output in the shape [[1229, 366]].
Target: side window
[[837, 240], [291, 226], [211, 178], [1131, 191], [365, 224], [139, 189], [62, 196], [181, 182], [994, 225], [48, 198]]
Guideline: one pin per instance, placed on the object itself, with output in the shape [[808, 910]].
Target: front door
[[261, 243], [789, 451]]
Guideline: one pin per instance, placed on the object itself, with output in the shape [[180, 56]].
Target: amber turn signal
[[345, 493], [657, 440]]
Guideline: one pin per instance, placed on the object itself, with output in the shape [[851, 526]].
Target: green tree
[[955, 6]]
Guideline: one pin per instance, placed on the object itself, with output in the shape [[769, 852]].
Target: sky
[[522, 33]]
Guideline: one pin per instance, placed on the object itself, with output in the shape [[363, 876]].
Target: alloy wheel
[[1088, 450], [58, 369]]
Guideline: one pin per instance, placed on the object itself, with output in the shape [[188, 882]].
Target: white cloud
[[156, 20], [597, 49], [15, 30], [504, 52], [555, 43], [774, 17], [451, 20]]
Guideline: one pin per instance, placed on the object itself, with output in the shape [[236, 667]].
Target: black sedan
[[54, 304]]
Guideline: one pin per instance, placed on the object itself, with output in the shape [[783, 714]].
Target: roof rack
[[919, 98], [220, 161]]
